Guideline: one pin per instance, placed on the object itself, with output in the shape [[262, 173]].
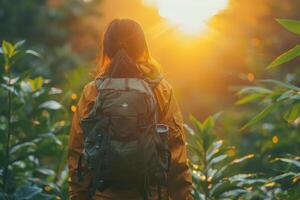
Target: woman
[[124, 45]]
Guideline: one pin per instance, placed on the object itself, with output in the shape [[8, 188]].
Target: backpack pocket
[[95, 139], [92, 126], [123, 158]]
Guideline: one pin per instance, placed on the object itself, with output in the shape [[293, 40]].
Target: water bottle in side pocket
[[163, 132]]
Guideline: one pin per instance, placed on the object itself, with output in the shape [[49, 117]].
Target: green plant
[[282, 100], [32, 126], [289, 180], [50, 27], [213, 165], [283, 95]]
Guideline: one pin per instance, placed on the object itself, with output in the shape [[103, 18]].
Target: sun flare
[[188, 15]]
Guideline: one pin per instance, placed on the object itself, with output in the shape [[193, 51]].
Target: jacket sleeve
[[179, 177], [78, 189]]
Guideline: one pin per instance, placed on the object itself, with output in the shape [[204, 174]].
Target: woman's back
[[125, 62]]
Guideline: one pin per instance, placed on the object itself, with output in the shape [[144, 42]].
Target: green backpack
[[124, 147]]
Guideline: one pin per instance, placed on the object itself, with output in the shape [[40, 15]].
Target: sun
[[188, 15]]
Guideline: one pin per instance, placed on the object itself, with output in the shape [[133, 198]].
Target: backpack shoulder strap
[[99, 81], [154, 82]]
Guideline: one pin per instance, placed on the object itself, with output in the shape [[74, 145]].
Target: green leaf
[[11, 81], [7, 48], [216, 160], [291, 25], [242, 178], [217, 115], [260, 116], [53, 137], [214, 149], [19, 44], [27, 192], [283, 176], [26, 145], [225, 187], [52, 105], [233, 193], [242, 159], [208, 124], [254, 89], [196, 124], [292, 113], [249, 98], [198, 196], [285, 57], [54, 90], [45, 171], [291, 161], [208, 136], [25, 86], [197, 153], [285, 95], [281, 84], [36, 83], [220, 173], [296, 178], [10, 88], [34, 53], [296, 96]]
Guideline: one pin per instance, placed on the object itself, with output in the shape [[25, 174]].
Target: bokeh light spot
[[73, 108], [74, 96], [250, 77], [275, 139]]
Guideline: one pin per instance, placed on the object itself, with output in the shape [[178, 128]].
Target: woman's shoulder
[[163, 93]]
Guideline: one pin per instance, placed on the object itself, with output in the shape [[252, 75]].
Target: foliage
[[290, 179], [32, 132], [292, 26], [282, 94], [283, 98], [212, 165], [46, 25]]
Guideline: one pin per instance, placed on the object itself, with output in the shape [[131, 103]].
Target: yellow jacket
[[179, 178]]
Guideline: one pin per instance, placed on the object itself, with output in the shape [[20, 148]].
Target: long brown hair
[[124, 44]]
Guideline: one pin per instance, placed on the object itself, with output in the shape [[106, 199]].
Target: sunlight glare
[[188, 15]]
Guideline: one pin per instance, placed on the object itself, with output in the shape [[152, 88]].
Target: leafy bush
[[282, 100], [212, 165], [53, 28], [32, 124], [289, 181], [283, 94]]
